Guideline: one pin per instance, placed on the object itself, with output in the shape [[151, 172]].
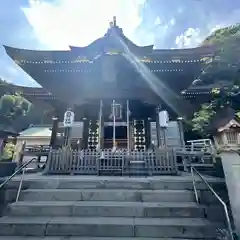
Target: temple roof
[[201, 88], [105, 67], [36, 132], [113, 42], [221, 119], [90, 53]]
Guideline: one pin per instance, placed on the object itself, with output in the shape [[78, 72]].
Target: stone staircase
[[107, 208]]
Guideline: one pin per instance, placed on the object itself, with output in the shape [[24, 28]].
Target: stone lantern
[[227, 140], [227, 136]]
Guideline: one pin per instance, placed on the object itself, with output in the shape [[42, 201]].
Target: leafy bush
[[14, 106], [8, 151]]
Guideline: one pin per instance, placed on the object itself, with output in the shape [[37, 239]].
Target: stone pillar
[[181, 131], [231, 168], [227, 142]]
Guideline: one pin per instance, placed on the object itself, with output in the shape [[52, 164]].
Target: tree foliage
[[221, 35], [226, 64], [14, 106], [224, 67], [8, 151], [202, 118]]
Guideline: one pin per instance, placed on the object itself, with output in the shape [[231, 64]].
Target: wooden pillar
[[53, 140], [147, 132], [114, 123], [101, 126], [128, 126], [158, 126], [131, 129], [85, 133], [1, 145], [67, 132]]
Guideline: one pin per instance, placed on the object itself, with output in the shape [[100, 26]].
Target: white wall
[[37, 142], [29, 142], [172, 133]]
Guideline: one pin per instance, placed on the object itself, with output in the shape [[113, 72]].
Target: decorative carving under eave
[[232, 124], [145, 60]]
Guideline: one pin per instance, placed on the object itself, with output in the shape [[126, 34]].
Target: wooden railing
[[120, 162], [200, 145]]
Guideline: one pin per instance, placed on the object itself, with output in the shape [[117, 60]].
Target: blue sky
[[55, 24]]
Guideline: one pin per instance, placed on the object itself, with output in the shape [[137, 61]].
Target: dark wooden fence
[[107, 162]]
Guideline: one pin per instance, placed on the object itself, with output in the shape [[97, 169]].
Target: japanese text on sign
[[68, 119]]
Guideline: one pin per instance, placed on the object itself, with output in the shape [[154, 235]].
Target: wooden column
[[128, 127], [84, 144], [53, 140], [158, 126], [1, 145], [101, 126], [67, 132], [147, 132], [114, 123]]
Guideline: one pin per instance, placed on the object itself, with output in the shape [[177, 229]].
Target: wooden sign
[[68, 119]]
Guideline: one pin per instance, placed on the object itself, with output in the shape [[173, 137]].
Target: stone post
[[231, 168], [228, 145], [181, 131]]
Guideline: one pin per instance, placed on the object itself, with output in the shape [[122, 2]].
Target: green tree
[[224, 67], [8, 151], [201, 119], [14, 106], [226, 64]]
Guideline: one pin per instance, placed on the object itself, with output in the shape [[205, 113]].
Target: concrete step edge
[[67, 190], [189, 222], [107, 204], [87, 238]]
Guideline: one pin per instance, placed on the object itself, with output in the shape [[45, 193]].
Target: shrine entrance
[[120, 135]]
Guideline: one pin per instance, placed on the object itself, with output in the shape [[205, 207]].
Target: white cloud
[[173, 21], [79, 22], [158, 21], [190, 38]]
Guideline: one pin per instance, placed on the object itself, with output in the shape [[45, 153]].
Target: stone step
[[86, 238], [107, 195], [173, 183], [109, 227], [105, 209]]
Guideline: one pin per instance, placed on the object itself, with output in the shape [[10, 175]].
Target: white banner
[[68, 119], [163, 119]]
